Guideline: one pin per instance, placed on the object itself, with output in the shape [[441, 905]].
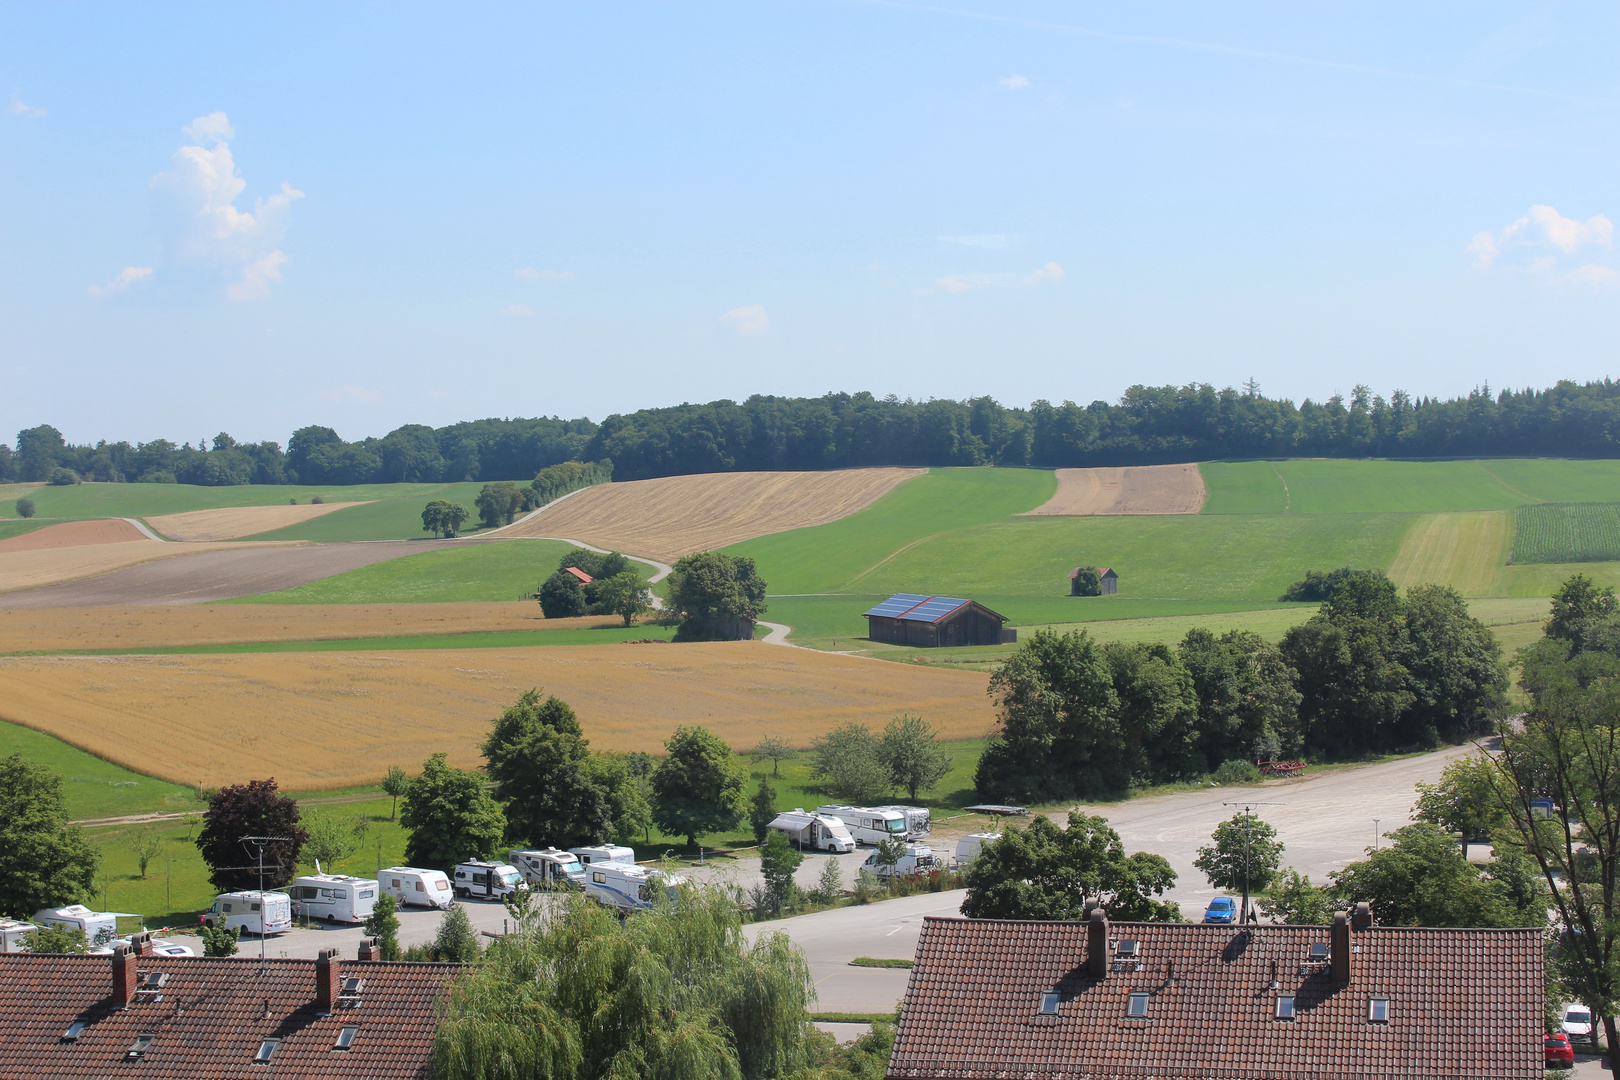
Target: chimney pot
[[368, 949], [142, 943], [327, 981], [1339, 948], [1362, 919], [123, 975], [1097, 944]]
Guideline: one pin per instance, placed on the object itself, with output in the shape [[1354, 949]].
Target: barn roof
[[1102, 571], [584, 578], [915, 607]]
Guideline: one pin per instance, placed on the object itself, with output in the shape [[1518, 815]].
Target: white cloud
[[1051, 272], [1594, 275], [19, 107], [748, 321], [956, 284], [1015, 82], [529, 273], [129, 275], [1484, 250], [205, 229], [351, 393], [984, 240], [1537, 242], [516, 311]]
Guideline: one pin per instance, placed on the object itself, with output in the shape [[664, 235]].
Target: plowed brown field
[[48, 566], [326, 720], [230, 522], [73, 534], [1142, 489], [677, 515]]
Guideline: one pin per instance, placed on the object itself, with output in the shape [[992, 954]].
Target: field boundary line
[[1509, 487], [875, 567], [1288, 498]]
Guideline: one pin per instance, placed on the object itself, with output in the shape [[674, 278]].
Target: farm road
[[215, 575]]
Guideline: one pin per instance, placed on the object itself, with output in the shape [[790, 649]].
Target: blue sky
[[252, 218]]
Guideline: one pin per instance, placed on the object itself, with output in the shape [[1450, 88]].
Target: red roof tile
[[584, 578]]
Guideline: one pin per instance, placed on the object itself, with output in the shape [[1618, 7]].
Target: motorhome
[[918, 859], [482, 880], [918, 822], [411, 887], [99, 927], [255, 912], [14, 935], [549, 868], [607, 853], [867, 824], [969, 847], [160, 947], [333, 897], [628, 888], [819, 832]]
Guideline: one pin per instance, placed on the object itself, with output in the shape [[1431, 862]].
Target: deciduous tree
[[625, 594], [334, 838], [538, 758], [1044, 872], [778, 860], [561, 596], [850, 759], [1245, 856], [255, 808], [394, 782], [911, 751], [762, 811], [1421, 879], [774, 749], [450, 816], [698, 787], [44, 861], [715, 595]]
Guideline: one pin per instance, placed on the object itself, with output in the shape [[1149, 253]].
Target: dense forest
[[1147, 425]]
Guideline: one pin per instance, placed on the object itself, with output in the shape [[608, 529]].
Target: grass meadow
[[1343, 486]]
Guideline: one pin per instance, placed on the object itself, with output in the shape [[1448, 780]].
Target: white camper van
[[487, 880], [918, 859], [99, 927], [868, 824], [254, 912], [969, 847], [411, 887], [549, 868], [607, 853], [820, 832], [918, 822], [333, 897], [14, 935], [628, 888]]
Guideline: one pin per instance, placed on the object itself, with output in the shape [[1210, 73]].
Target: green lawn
[[394, 517], [1343, 486], [18, 526], [95, 788]]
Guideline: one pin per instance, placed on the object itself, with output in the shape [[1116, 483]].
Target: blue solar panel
[[897, 605], [936, 607]]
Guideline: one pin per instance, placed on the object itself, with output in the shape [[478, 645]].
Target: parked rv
[[160, 947], [969, 847], [628, 888], [820, 832], [14, 935], [482, 880], [333, 897], [549, 868], [99, 927], [606, 853], [868, 824], [918, 822], [918, 859], [411, 887], [255, 912]]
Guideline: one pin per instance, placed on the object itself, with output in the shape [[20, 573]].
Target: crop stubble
[[230, 522], [677, 515], [1111, 492], [337, 719], [74, 534]]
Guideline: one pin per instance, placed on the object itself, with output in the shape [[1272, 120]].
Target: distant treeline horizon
[[1148, 425]]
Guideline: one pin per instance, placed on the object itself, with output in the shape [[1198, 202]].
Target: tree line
[[1148, 424]]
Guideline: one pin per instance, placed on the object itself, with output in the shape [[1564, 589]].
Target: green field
[[393, 517], [1338, 486], [1567, 533]]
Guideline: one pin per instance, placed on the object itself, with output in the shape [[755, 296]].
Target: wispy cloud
[[19, 107], [351, 393], [1543, 242], [516, 311], [529, 273], [1015, 82], [748, 321], [988, 240], [956, 284], [129, 275]]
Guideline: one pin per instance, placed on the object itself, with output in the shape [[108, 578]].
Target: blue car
[[1222, 909]]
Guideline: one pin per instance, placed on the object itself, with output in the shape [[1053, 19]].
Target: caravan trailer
[[99, 927], [333, 897], [818, 832], [416, 888], [969, 847], [918, 822], [484, 880], [868, 824], [14, 935], [255, 912], [628, 888], [549, 868], [606, 853], [917, 860]]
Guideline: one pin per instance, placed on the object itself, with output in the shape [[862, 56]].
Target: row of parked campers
[[332, 897], [875, 824], [99, 927]]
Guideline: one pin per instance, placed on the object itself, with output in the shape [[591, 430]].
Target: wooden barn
[[1106, 578], [931, 622]]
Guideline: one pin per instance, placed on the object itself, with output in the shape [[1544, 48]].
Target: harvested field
[[74, 534], [1467, 551], [1142, 489], [67, 629], [206, 572], [677, 515], [337, 719], [230, 522]]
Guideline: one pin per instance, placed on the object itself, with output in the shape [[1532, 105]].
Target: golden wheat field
[[1142, 489], [230, 522], [677, 515], [326, 720]]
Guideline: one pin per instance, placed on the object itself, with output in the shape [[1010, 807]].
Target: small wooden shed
[[1106, 578], [932, 622]]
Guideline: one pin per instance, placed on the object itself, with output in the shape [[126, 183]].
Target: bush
[[61, 477], [57, 939], [219, 940], [457, 941], [25, 508], [561, 596], [1086, 582], [1237, 771], [317, 500]]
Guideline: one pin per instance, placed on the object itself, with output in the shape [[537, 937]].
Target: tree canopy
[[1044, 872], [715, 596], [44, 861], [256, 808], [450, 816], [539, 761], [698, 787]]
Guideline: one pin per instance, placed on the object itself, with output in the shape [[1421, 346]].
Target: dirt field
[[203, 573], [230, 522], [335, 719], [74, 534], [1143, 489], [206, 624], [678, 515]]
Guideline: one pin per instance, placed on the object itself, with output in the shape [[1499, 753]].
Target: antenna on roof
[[260, 842], [1247, 915]]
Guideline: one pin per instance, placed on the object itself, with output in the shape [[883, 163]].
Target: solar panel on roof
[[936, 607], [898, 604]]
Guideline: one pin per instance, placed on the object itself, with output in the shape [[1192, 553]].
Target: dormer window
[[1378, 1011], [1137, 1005], [1049, 1002]]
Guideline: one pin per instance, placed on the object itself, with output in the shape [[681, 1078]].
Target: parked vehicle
[[483, 880], [1556, 1050], [333, 897], [868, 825], [917, 860], [1577, 1023], [99, 927], [549, 868], [14, 935], [1222, 909], [819, 832], [918, 821], [254, 912], [628, 888], [606, 853], [969, 847], [160, 947], [412, 887]]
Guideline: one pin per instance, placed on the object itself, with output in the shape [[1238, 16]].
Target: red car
[[1558, 1050]]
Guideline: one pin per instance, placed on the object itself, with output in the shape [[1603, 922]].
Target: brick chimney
[[1339, 948], [1097, 944], [123, 975], [142, 943], [327, 981], [1362, 918], [369, 950]]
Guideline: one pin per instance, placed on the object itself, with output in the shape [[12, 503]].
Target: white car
[[1577, 1022]]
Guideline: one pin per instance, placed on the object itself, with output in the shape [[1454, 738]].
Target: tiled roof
[[211, 1017], [584, 578], [1462, 1003]]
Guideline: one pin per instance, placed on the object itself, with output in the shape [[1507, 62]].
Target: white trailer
[[969, 847], [255, 912], [628, 888], [549, 868], [483, 880], [819, 832], [606, 853], [99, 927], [918, 821], [412, 887], [334, 897], [917, 860], [868, 824], [14, 935]]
